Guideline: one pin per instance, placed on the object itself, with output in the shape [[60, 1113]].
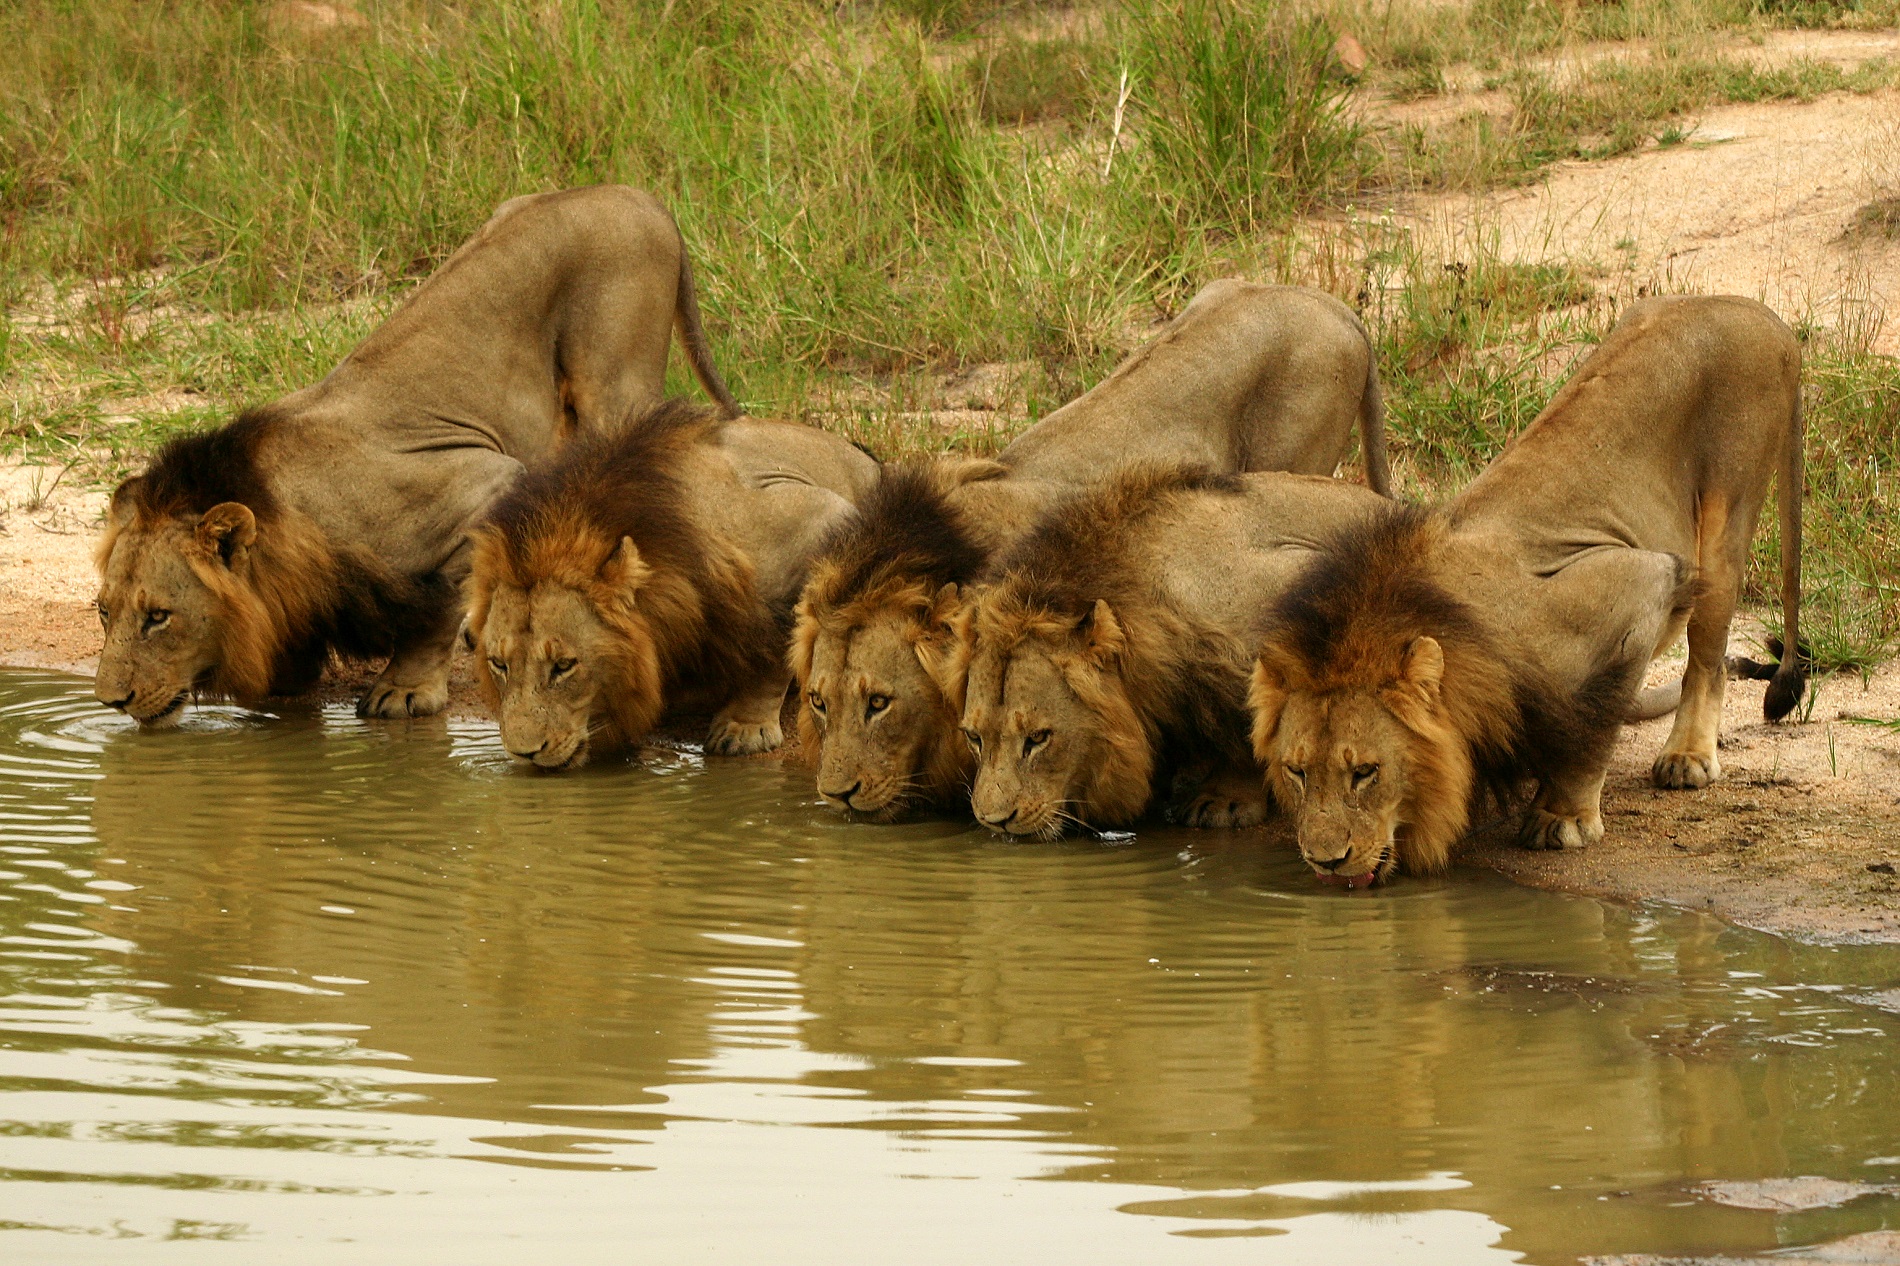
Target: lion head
[[1046, 708], [1379, 704], [592, 590], [207, 584], [871, 637], [565, 648]]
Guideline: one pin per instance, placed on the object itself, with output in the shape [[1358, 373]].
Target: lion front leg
[[1232, 796], [749, 723], [415, 682], [1567, 813]]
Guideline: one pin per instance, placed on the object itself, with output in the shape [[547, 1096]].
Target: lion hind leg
[[1688, 758], [749, 723]]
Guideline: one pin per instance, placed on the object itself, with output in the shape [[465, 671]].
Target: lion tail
[[693, 339], [1372, 427], [1790, 679]]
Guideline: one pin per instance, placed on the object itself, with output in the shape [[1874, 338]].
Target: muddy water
[[305, 989]]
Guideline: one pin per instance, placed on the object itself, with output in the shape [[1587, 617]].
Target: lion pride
[[652, 569], [1426, 656], [336, 518], [1247, 377]]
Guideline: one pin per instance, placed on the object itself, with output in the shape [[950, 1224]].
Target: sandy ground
[[1801, 837], [1760, 200]]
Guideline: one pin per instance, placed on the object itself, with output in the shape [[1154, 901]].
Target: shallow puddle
[[308, 989]]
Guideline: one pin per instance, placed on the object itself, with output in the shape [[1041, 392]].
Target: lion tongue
[[1347, 881]]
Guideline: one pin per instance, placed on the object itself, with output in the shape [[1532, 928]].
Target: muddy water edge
[[335, 991]]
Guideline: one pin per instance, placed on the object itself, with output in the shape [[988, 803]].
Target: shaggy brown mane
[[683, 607], [1348, 622], [299, 597], [1184, 685]]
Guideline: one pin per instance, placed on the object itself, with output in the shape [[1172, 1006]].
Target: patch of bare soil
[[1760, 200]]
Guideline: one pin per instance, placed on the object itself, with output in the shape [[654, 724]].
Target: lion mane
[[300, 596], [681, 607], [1074, 579], [1495, 721]]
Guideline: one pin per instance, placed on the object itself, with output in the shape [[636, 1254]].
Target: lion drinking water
[[1247, 377], [649, 569], [1426, 656], [336, 518]]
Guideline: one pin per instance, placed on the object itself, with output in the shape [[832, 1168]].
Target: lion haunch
[[656, 568], [1429, 657], [336, 518]]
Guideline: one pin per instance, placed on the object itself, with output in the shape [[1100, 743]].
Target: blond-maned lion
[[1107, 660], [1430, 655], [653, 569], [336, 518], [1248, 377]]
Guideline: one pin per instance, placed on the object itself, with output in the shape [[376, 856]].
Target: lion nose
[[1334, 864], [121, 704], [997, 824], [844, 796], [531, 753]]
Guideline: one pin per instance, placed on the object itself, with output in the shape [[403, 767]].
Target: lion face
[[1343, 760], [555, 673], [880, 718], [162, 597], [1052, 729]]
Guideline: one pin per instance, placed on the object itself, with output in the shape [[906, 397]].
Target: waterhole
[[300, 988]]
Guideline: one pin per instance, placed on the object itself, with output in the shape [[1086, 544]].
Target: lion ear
[[227, 530], [1421, 672], [624, 568], [944, 605], [1266, 699], [125, 501], [1102, 633]]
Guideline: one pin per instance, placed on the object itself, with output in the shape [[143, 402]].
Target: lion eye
[[976, 740], [1364, 776], [876, 704], [817, 702], [1033, 741], [560, 668], [156, 619], [105, 617], [1296, 773], [499, 667]]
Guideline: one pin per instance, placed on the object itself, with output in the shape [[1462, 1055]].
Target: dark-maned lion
[[1248, 377], [1427, 656], [1107, 659], [650, 569], [336, 518]]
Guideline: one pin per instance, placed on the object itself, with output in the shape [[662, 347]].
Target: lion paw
[[1558, 833], [1221, 808], [1685, 769], [733, 737], [392, 699]]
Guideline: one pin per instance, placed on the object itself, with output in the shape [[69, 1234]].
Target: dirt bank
[[1802, 837]]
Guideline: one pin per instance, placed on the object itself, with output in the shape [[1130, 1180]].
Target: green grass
[[872, 195]]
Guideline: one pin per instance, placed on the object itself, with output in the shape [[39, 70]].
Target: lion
[[336, 518], [652, 569], [1427, 656], [1107, 659], [1247, 377]]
